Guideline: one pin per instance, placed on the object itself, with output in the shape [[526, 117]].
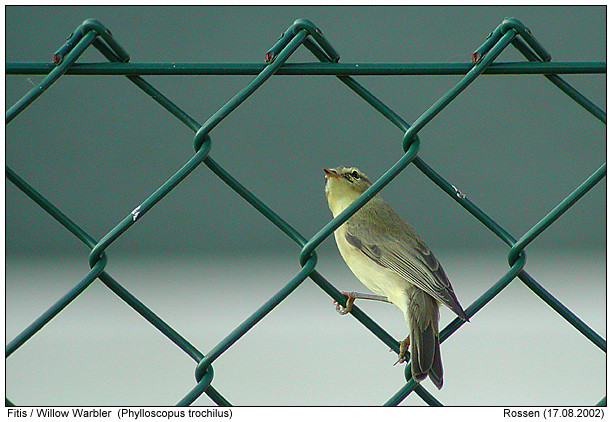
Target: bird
[[391, 259]]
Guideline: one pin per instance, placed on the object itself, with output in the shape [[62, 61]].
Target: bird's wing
[[407, 255]]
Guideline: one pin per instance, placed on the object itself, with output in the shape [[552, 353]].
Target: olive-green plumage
[[389, 257]]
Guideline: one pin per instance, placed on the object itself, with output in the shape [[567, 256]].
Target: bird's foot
[[350, 298], [404, 344], [343, 310]]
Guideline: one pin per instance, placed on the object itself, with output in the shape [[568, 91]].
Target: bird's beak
[[330, 173]]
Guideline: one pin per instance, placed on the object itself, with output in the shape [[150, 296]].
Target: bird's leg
[[404, 344], [350, 298]]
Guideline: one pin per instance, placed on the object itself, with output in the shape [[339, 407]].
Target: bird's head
[[343, 185]]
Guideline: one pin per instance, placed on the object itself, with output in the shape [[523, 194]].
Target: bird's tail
[[425, 350]]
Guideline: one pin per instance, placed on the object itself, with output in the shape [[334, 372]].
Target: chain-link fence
[[302, 32]]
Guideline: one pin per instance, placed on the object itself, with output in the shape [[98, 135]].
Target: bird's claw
[[343, 310], [404, 344]]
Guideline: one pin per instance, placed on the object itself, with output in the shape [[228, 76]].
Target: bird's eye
[[355, 175]]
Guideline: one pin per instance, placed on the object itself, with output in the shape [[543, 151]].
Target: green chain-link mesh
[[302, 32]]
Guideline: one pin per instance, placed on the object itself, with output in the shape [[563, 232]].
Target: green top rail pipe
[[334, 69]]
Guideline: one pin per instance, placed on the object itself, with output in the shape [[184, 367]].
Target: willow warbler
[[389, 257]]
